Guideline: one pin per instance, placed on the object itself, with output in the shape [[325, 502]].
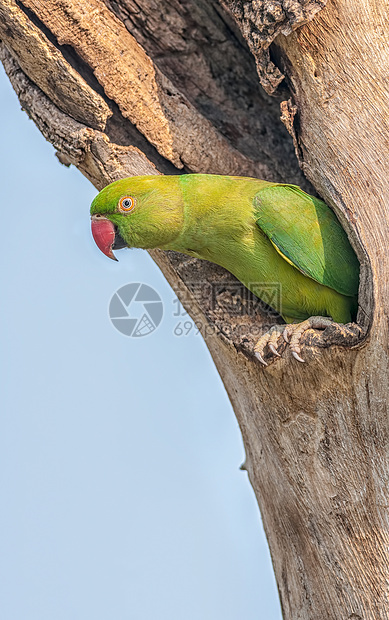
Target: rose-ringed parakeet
[[262, 232]]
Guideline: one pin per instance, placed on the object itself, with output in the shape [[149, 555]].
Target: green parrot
[[263, 233]]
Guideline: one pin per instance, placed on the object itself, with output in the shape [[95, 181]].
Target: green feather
[[306, 233]]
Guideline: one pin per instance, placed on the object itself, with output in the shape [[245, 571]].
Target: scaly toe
[[292, 333], [288, 331], [269, 340]]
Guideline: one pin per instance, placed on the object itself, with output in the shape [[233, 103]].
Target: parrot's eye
[[126, 204]]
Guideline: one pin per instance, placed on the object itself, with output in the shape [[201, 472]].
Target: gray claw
[[297, 357], [285, 335], [273, 350], [260, 358]]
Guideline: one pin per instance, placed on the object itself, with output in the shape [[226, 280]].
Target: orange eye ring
[[126, 204]]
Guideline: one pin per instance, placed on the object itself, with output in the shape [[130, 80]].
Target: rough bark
[[123, 87], [262, 20]]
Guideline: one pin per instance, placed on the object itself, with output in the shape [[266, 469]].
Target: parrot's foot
[[293, 332], [270, 339], [346, 335]]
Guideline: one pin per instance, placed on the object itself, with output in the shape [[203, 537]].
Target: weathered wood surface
[[123, 87], [261, 21]]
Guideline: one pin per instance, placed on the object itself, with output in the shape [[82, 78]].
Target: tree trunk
[[126, 87]]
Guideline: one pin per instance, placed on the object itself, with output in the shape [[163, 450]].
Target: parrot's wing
[[305, 231]]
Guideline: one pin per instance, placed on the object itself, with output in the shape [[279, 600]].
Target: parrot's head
[[140, 212]]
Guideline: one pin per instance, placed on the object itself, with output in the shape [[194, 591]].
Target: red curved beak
[[103, 232]]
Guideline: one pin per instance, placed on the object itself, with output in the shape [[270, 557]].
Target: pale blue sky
[[121, 494]]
